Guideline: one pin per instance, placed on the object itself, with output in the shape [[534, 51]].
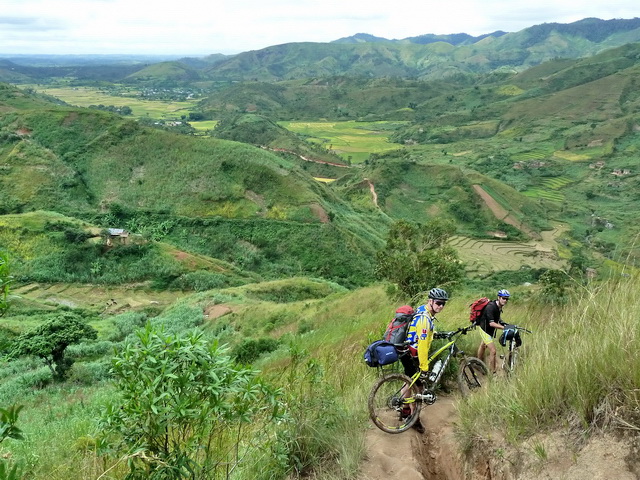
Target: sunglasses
[[506, 299], [440, 303]]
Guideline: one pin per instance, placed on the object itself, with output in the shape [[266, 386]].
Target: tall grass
[[581, 370]]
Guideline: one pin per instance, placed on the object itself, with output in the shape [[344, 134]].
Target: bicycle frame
[[395, 399], [453, 351]]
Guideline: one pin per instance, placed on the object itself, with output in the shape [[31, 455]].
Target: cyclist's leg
[[481, 349], [493, 354], [410, 364], [488, 344]]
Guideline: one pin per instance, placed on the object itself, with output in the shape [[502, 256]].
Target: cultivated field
[[351, 140], [85, 96], [486, 256], [104, 299]]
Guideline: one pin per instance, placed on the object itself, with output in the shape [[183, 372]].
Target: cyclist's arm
[[424, 335]]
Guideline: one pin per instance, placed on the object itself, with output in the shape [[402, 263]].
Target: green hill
[[165, 72], [218, 198]]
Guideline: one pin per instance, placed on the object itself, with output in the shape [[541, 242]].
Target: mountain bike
[[511, 339], [396, 399]]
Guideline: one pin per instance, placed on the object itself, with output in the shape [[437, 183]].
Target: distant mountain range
[[429, 56], [426, 56], [453, 38]]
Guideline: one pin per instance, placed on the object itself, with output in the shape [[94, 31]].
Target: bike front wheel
[[392, 403], [473, 375], [512, 360]]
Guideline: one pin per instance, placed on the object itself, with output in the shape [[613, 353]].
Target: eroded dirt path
[[502, 214], [374, 195], [435, 454], [412, 456]]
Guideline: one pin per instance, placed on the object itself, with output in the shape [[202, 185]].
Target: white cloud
[[231, 26]]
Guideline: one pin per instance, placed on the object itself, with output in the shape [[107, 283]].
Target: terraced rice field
[[533, 155], [549, 189], [98, 298], [486, 256]]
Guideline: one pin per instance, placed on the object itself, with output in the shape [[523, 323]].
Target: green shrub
[[90, 349], [49, 341], [126, 324], [200, 281], [250, 350], [89, 373], [185, 408], [16, 388], [6, 337], [179, 318]]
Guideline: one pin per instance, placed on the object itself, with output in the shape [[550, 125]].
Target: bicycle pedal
[[428, 398]]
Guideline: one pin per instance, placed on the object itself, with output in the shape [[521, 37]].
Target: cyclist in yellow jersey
[[420, 335], [421, 330]]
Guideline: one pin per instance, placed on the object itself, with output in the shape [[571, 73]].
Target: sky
[[203, 27]]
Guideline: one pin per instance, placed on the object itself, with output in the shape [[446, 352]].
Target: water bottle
[[435, 371]]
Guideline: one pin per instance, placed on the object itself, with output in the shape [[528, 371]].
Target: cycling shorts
[[486, 338]]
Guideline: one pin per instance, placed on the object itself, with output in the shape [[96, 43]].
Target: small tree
[[184, 409], [50, 340], [555, 287], [417, 258]]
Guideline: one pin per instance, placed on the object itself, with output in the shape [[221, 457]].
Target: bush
[[250, 350], [214, 409], [179, 318], [88, 373], [126, 324], [200, 281], [90, 349]]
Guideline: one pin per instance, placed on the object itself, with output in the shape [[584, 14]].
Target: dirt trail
[[374, 195], [306, 159], [435, 454], [412, 456], [503, 214]]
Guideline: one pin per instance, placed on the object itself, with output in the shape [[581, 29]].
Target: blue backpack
[[380, 353]]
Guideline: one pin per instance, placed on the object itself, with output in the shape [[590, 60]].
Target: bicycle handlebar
[[448, 335], [518, 327]]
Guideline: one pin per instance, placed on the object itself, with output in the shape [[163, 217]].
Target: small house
[[117, 236]]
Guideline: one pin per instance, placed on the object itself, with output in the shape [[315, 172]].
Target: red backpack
[[476, 309], [396, 332]]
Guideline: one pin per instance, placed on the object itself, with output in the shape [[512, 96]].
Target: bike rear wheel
[[472, 376], [392, 404]]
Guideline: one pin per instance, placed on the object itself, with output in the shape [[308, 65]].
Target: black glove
[[439, 335]]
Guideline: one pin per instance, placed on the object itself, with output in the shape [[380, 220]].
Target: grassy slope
[[325, 322]]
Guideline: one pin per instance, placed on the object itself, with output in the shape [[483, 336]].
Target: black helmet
[[438, 294]]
